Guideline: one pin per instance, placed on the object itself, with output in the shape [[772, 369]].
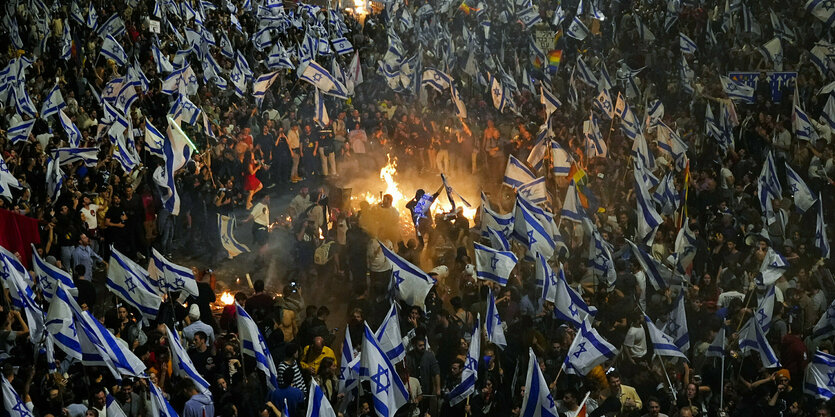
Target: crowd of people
[[440, 87]]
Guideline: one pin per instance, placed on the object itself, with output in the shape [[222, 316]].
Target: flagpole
[[670, 383], [722, 384]]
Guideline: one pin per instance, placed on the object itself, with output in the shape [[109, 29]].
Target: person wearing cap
[[195, 325], [784, 395]]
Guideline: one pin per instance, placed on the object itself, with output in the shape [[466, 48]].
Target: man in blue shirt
[[83, 254], [284, 392], [199, 404]]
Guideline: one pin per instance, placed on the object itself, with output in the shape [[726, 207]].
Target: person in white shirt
[[295, 151], [88, 214], [635, 341], [195, 325], [260, 216]]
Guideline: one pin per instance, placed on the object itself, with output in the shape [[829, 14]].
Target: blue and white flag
[[21, 131], [60, 322], [322, 79], [73, 134], [666, 197], [572, 209], [494, 265], [662, 344], [643, 31], [538, 401], [163, 65], [568, 304], [826, 324], [821, 240], [676, 326], [752, 338], [53, 103], [498, 240], [502, 223], [536, 235], [66, 156], [131, 283], [828, 113], [154, 139], [226, 225], [534, 191], [629, 123], [390, 338], [410, 283], [587, 350], [536, 157], [803, 197], [386, 387], [349, 369], [342, 46], [601, 262], [684, 248], [500, 99], [493, 323], [670, 143], [15, 407], [177, 151], [170, 277], [113, 26], [261, 85], [252, 344], [92, 17], [546, 278], [529, 16], [803, 128], [717, 347], [737, 91], [49, 276], [516, 173], [658, 275], [559, 16], [765, 309], [768, 185], [820, 376], [773, 51], [560, 160], [113, 409], [823, 10], [435, 79], [772, 268], [648, 218], [317, 404], [111, 49], [159, 405], [182, 365], [578, 30], [584, 73], [603, 102], [54, 180], [686, 44], [549, 100], [185, 109], [469, 375], [460, 107], [595, 145], [7, 180], [320, 115]]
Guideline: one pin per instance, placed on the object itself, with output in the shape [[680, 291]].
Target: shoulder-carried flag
[[410, 283], [587, 350], [252, 344], [182, 364], [752, 338], [387, 389], [130, 282], [389, 337], [493, 323]]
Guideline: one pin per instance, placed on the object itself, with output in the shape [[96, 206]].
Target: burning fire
[[227, 298]]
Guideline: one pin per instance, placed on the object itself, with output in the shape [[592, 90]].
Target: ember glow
[[227, 298]]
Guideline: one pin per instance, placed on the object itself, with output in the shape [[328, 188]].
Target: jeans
[[166, 231], [66, 257]]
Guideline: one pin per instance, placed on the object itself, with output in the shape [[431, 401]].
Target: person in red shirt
[[793, 354]]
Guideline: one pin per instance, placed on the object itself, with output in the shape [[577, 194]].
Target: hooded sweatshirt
[[199, 405]]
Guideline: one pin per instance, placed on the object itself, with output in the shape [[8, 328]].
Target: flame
[[227, 298], [321, 236]]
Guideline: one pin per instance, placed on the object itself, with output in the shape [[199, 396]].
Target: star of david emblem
[[831, 376], [381, 379], [581, 348], [129, 283], [122, 100], [794, 188], [46, 285], [472, 364], [74, 332], [763, 316], [573, 309], [188, 107], [109, 89], [494, 261], [342, 372], [531, 239], [179, 282], [317, 77], [397, 279], [236, 77], [731, 86], [21, 409], [778, 57], [607, 105], [116, 49], [225, 239], [550, 399], [192, 79], [496, 91], [828, 4], [5, 273], [673, 326], [437, 77]]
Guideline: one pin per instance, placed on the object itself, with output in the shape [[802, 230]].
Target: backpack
[[322, 254]]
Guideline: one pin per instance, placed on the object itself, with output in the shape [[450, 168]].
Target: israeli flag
[[435, 79], [92, 17], [130, 282], [643, 31], [100, 347], [587, 350], [493, 325], [389, 337], [493, 265], [600, 255], [113, 409], [670, 143], [534, 191], [252, 344], [532, 232], [349, 366], [342, 46], [460, 107], [823, 10], [497, 240], [595, 145], [500, 99], [538, 401], [803, 127], [772, 268], [549, 100], [54, 180], [113, 50], [170, 277], [469, 375], [768, 184], [261, 85], [773, 51], [676, 326], [66, 43], [737, 91], [819, 376], [61, 325], [717, 347], [821, 240], [317, 404], [828, 113], [322, 79], [572, 209], [659, 275], [158, 404], [529, 16], [14, 406], [184, 108], [182, 364], [686, 44], [113, 26], [803, 198], [648, 218], [226, 225], [66, 156], [321, 112], [578, 30], [49, 276], [502, 223], [559, 16], [662, 344], [536, 157], [568, 304], [765, 309], [386, 387], [53, 103], [163, 65], [8, 180], [666, 197], [172, 82], [516, 173], [177, 151], [826, 324], [20, 132], [73, 134], [752, 338], [685, 247], [603, 102], [584, 73], [15, 277], [410, 283], [154, 139]]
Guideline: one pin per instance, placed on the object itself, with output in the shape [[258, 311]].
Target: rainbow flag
[[581, 182], [554, 58], [466, 8]]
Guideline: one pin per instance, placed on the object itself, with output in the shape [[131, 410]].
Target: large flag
[[773, 51], [252, 344], [53, 103], [772, 268], [676, 326], [66, 156], [823, 10], [821, 240], [765, 309], [737, 91], [538, 401], [111, 49], [60, 323], [561, 160], [177, 151], [113, 409], [226, 225], [493, 324], [662, 344], [752, 338], [182, 365], [410, 283], [131, 283], [470, 373], [572, 209], [170, 277], [534, 231], [49, 276], [73, 134], [493, 265], [322, 79], [15, 407], [16, 279], [549, 100], [820, 373], [587, 350], [389, 337], [517, 173], [568, 304], [826, 324], [20, 131], [386, 387], [317, 404], [659, 275]]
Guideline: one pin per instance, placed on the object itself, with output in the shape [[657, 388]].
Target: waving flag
[[765, 309], [61, 324], [595, 145], [686, 44], [493, 324], [587, 350], [561, 160], [773, 51], [389, 337], [659, 275], [252, 344], [113, 50], [584, 73], [532, 231], [92, 17], [676, 326], [600, 255], [130, 282], [163, 65], [177, 151], [20, 131], [14, 406], [662, 344], [16, 279], [752, 338], [460, 106], [182, 365], [497, 240], [643, 31], [823, 10], [828, 114], [821, 240], [113, 409], [158, 404], [603, 102], [572, 209], [803, 197], [717, 347], [648, 218], [549, 100], [685, 248], [819, 376], [517, 173], [322, 79], [170, 277], [534, 191], [493, 265], [435, 79], [578, 30], [670, 143], [53, 103], [386, 386], [772, 268], [826, 324], [470, 373], [499, 94], [317, 404], [502, 223], [568, 304], [538, 401], [73, 134], [411, 284], [737, 91], [261, 85], [226, 225], [49, 276], [349, 366], [320, 116], [154, 140]]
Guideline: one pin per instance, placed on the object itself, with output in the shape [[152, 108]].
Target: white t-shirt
[[89, 215], [641, 278], [725, 298], [636, 342], [261, 214]]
